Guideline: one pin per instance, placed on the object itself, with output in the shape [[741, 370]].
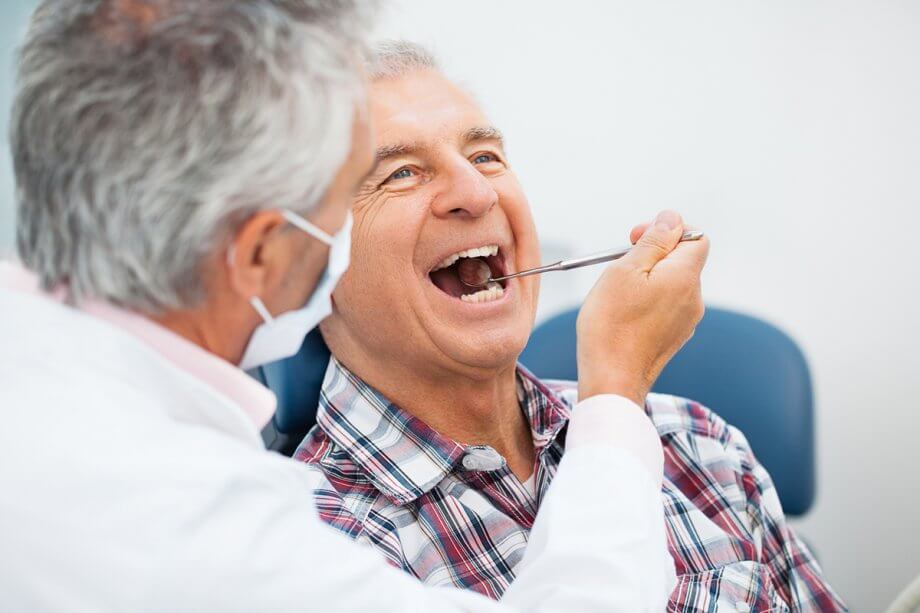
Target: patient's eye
[[402, 173], [405, 177], [488, 163]]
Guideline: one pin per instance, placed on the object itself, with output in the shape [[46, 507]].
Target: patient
[[436, 444]]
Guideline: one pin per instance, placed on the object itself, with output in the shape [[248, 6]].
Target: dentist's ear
[[258, 255]]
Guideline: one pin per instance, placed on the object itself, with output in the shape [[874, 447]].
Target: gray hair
[[393, 58], [144, 131]]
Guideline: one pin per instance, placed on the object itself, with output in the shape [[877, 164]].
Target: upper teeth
[[476, 252]]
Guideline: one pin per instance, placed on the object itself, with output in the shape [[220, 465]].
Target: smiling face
[[443, 194]]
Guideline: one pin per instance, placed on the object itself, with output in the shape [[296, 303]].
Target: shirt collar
[[256, 400], [547, 412], [400, 454]]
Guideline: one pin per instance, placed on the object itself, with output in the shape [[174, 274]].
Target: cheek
[[527, 245], [378, 259], [360, 274]]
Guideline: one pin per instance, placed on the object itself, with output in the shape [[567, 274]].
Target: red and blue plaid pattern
[[393, 482]]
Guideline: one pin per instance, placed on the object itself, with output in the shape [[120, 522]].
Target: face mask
[[281, 337]]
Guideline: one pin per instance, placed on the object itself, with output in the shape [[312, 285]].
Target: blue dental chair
[[746, 370], [296, 382]]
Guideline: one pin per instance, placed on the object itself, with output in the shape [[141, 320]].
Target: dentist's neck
[[219, 326]]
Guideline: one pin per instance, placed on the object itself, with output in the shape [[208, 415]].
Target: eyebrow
[[387, 152], [398, 150], [483, 133]]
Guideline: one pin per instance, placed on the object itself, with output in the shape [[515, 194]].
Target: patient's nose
[[465, 193]]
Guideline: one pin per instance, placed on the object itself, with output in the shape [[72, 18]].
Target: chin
[[494, 349]]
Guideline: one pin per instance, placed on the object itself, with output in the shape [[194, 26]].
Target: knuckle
[[657, 242], [587, 318], [700, 311]]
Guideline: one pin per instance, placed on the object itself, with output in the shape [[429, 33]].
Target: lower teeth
[[493, 291]]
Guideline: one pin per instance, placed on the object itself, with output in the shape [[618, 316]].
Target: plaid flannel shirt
[[454, 514]]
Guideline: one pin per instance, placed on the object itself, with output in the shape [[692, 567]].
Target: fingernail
[[667, 220]]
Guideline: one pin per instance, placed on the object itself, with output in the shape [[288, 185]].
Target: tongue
[[448, 282]]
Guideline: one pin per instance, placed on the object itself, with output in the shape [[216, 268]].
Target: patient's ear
[[257, 256]]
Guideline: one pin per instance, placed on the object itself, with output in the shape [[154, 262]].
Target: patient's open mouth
[[474, 265]]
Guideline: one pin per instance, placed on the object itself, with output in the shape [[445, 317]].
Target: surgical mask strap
[[299, 222], [280, 337], [259, 306], [296, 220]]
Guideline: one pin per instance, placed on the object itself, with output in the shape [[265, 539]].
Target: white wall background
[[13, 17], [790, 131]]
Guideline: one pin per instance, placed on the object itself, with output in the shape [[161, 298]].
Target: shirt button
[[742, 607], [482, 458]]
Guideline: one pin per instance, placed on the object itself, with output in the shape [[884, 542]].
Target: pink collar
[[255, 399]]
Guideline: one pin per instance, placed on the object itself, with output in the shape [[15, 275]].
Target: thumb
[[658, 241]]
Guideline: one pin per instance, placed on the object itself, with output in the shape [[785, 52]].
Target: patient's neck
[[482, 409]]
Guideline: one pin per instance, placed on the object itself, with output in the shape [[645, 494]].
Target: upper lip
[[471, 244], [473, 252]]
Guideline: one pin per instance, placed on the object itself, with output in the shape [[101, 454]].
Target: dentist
[[184, 172]]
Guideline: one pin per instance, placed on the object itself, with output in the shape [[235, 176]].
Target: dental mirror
[[476, 273]]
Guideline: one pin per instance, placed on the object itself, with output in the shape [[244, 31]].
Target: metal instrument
[[588, 260]]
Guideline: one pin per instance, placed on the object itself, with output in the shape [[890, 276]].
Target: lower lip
[[479, 308]]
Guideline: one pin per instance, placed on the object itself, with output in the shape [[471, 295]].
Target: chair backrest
[[296, 381], [746, 370]]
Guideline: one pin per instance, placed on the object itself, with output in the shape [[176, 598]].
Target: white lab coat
[[126, 484]]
